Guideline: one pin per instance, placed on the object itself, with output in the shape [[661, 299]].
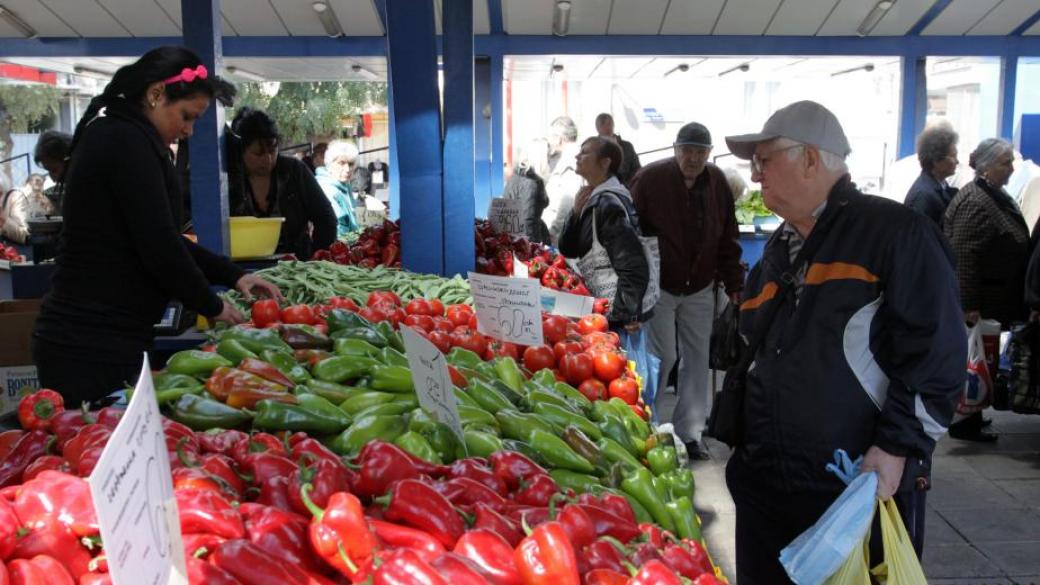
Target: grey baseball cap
[[693, 134], [806, 121]]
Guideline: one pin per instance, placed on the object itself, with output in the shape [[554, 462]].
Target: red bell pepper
[[110, 416], [302, 446], [579, 526], [326, 476], [457, 570], [10, 526], [417, 504], [221, 469], [274, 491], [381, 464], [536, 490], [26, 449], [340, 535], [654, 572], [655, 535], [36, 411], [202, 573], [7, 441], [92, 435], [177, 435], [55, 541], [57, 497], [405, 567], [185, 478], [488, 519], [67, 422], [40, 570], [280, 533], [45, 463], [547, 556], [200, 545], [208, 512], [708, 579], [219, 441], [492, 555], [463, 491], [603, 554], [644, 553], [259, 467], [608, 524], [258, 443], [530, 515], [605, 577], [95, 579], [514, 468], [690, 561], [265, 371], [395, 536], [613, 503], [253, 565], [476, 468], [89, 460]]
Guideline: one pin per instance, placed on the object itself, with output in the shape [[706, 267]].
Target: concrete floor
[[983, 524]]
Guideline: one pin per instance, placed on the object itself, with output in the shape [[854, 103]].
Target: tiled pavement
[[983, 523]]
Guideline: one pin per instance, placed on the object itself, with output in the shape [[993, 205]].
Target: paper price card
[[509, 309], [432, 381], [504, 215], [566, 304], [520, 269], [132, 491]]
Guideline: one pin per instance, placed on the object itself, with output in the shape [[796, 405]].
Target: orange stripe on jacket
[[820, 273], [768, 292]]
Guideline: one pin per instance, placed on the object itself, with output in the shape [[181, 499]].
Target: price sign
[[432, 381], [508, 309], [132, 491], [519, 268], [504, 215], [566, 304]]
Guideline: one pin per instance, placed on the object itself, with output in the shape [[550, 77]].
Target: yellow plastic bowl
[[253, 237]]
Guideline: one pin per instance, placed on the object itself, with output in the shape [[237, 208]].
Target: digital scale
[[176, 319]]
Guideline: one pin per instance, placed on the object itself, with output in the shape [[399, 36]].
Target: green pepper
[[393, 338], [234, 351], [409, 399], [613, 428], [661, 487], [277, 416], [582, 445], [166, 380], [355, 346], [445, 442], [256, 340], [464, 357], [511, 395], [481, 444], [359, 402], [680, 483], [636, 425], [570, 393], [572, 480], [613, 452], [544, 377], [685, 518], [639, 484], [488, 398], [600, 410], [554, 450], [541, 396], [193, 362], [563, 418], [340, 368], [287, 365], [172, 394], [469, 415], [368, 428], [367, 334], [338, 319], [517, 425], [488, 429], [331, 391], [420, 421], [201, 414], [509, 373], [324, 407], [392, 378], [524, 449], [464, 398], [662, 459], [417, 445], [392, 357], [397, 408], [469, 374]]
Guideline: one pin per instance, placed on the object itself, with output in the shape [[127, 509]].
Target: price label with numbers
[[432, 381], [504, 215], [509, 309]]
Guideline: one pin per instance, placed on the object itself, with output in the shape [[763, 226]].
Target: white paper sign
[[504, 215], [377, 178], [566, 304], [132, 491], [519, 268], [432, 381], [509, 309]]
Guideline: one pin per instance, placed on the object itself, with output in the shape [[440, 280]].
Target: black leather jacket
[[617, 228]]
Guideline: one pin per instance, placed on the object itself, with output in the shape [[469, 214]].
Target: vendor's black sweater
[[121, 257]]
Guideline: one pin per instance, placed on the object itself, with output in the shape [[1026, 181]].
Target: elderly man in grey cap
[[856, 337], [686, 202]]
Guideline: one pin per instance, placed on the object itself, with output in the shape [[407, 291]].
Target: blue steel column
[[412, 56], [459, 161], [395, 170], [497, 117], [913, 103], [209, 187], [1008, 81], [482, 137]]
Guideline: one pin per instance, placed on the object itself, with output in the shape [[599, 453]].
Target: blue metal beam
[[381, 11], [495, 17], [233, 46], [930, 15], [497, 116], [1028, 24], [913, 104], [209, 186], [482, 136], [459, 164], [1006, 110]]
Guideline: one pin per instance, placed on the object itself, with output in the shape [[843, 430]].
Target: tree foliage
[[306, 111], [21, 106]]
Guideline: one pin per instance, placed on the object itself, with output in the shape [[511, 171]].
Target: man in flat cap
[[862, 343], [685, 201]]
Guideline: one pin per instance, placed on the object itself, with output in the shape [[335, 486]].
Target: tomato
[[498, 348], [383, 296], [609, 365], [608, 339], [372, 314], [539, 357], [265, 311], [626, 389], [459, 314], [592, 323], [396, 317], [438, 307], [469, 339], [563, 348], [577, 368], [554, 328], [418, 307], [472, 322], [593, 389], [298, 314], [572, 330], [457, 379], [443, 324], [441, 339], [424, 322], [344, 303]]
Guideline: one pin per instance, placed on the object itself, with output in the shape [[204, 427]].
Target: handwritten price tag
[[566, 304], [132, 491], [432, 381], [509, 309], [504, 215]]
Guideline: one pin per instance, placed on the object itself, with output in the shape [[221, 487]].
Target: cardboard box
[[15, 382], [17, 371]]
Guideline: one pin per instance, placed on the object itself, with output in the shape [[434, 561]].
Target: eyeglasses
[[758, 163]]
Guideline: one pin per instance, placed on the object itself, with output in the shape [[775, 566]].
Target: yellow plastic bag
[[901, 566], [854, 571]]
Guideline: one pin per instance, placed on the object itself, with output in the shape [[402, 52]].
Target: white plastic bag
[[978, 387]]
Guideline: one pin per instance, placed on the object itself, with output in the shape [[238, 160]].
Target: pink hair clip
[[188, 75]]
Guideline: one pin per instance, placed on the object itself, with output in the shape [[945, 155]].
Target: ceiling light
[[741, 67], [868, 68], [232, 70], [328, 19], [874, 17], [683, 67], [16, 21], [561, 18]]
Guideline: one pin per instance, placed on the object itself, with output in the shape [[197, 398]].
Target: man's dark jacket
[[930, 198]]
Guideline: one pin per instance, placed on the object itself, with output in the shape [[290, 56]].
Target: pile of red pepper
[[376, 246], [10, 254]]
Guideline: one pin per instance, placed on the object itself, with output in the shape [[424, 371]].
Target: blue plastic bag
[[818, 552], [648, 365]]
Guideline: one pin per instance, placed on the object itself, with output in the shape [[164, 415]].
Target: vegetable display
[[750, 207], [11, 254]]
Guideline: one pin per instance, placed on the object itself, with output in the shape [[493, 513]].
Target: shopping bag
[[978, 386], [726, 344], [648, 365], [1023, 381], [856, 569], [901, 566]]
